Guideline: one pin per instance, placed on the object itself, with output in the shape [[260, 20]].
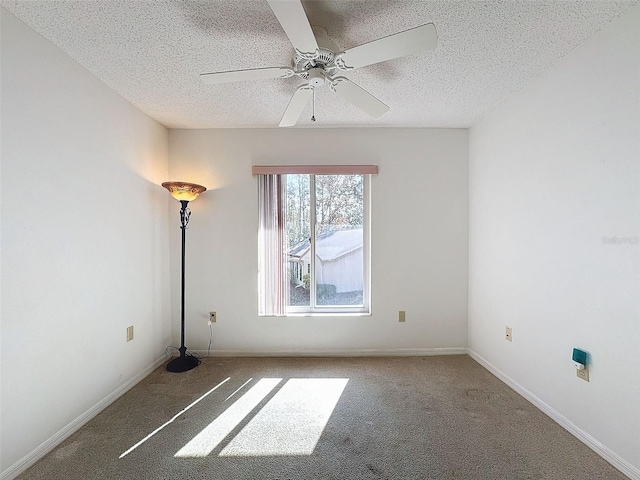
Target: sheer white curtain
[[272, 260]]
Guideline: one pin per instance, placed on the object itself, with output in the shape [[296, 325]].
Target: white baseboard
[[610, 456], [391, 352], [56, 439]]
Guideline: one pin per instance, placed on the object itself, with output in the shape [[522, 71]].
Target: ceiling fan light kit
[[318, 60]]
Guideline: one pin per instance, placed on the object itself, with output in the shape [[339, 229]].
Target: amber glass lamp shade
[[183, 190]]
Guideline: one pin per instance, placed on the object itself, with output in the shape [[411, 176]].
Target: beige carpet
[[323, 418]]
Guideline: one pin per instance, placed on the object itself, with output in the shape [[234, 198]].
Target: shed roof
[[331, 245]]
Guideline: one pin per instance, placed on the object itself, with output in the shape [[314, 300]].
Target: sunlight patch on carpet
[[208, 439], [239, 388], [173, 418], [292, 422]]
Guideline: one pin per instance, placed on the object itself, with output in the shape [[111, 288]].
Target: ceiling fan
[[318, 60]]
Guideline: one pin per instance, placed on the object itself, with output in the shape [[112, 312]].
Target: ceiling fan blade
[[398, 45], [300, 99], [242, 75], [359, 97], [295, 24]]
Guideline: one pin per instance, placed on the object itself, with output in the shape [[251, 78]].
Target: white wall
[[419, 238], [553, 171], [84, 241]]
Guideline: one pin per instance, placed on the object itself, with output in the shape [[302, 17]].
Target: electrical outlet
[[402, 316], [583, 374], [212, 317], [129, 333], [507, 334]]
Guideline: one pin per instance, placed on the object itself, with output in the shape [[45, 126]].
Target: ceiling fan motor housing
[[316, 77], [324, 62]]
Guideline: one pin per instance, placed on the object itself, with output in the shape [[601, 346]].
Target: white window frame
[[313, 309]]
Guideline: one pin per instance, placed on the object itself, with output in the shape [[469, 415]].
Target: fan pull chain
[[313, 106]]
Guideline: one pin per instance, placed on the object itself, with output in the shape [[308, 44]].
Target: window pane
[[339, 239], [298, 230]]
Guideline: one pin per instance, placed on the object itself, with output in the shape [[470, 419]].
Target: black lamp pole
[[184, 362], [184, 220], [183, 192]]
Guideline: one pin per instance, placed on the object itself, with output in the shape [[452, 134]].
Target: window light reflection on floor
[[208, 439], [238, 389], [174, 417], [292, 422]]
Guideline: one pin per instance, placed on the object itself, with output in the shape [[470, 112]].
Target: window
[[314, 241]]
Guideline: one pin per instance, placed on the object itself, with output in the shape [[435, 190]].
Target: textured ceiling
[[152, 52]]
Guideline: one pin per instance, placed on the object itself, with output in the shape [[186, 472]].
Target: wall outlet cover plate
[[583, 374]]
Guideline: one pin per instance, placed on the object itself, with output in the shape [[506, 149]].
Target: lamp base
[[182, 364]]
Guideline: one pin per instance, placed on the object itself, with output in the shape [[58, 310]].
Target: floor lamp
[[184, 193]]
